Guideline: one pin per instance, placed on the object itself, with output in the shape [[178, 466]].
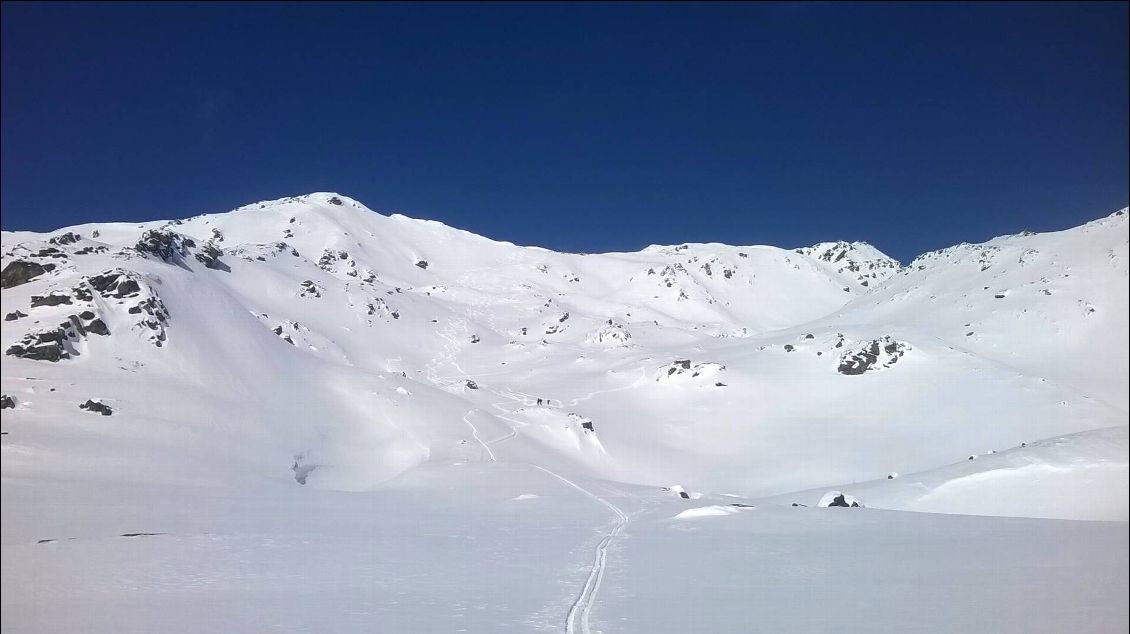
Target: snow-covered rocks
[[610, 334], [169, 246], [685, 369], [877, 354], [857, 262]]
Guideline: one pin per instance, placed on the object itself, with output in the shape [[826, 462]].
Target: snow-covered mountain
[[310, 340]]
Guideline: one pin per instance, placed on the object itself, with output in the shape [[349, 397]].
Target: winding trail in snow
[[475, 434], [577, 617], [578, 614]]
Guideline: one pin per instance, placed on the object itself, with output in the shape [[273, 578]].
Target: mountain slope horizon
[[400, 401]]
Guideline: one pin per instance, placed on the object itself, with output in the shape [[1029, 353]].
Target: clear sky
[[586, 127]]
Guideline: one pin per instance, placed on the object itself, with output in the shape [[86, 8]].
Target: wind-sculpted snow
[[310, 344]]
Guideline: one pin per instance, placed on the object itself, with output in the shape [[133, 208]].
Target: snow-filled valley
[[303, 415]]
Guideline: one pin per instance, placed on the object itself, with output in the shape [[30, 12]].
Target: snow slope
[[317, 361]]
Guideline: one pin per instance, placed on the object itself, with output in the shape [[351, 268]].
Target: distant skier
[[539, 402]]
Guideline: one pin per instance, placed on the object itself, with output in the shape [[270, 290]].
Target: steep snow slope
[[320, 363]]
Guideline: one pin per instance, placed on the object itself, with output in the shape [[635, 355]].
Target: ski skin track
[[581, 607]]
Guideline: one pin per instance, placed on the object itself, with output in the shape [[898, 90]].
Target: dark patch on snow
[[840, 501], [7, 402], [54, 299], [22, 271], [66, 238], [872, 355], [13, 316], [209, 256], [96, 407], [301, 470], [46, 345], [169, 246]]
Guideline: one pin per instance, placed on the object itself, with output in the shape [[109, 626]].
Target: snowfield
[[302, 415]]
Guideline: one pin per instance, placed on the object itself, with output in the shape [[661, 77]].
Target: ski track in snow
[[577, 617], [475, 434], [578, 613]]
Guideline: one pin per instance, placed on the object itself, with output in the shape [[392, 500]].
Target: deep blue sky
[[577, 127]]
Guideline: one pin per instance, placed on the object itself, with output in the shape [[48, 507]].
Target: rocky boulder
[[876, 354], [96, 407], [19, 272]]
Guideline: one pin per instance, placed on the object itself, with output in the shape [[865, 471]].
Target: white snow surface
[[329, 419]]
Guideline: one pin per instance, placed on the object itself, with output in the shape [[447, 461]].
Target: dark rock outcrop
[[46, 345], [96, 407], [54, 299], [13, 316], [872, 355], [209, 256], [116, 284], [19, 272], [169, 246], [7, 402], [840, 501], [66, 238], [97, 327]]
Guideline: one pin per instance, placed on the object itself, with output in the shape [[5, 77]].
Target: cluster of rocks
[[65, 238], [668, 275], [169, 246], [867, 269], [310, 288], [339, 263], [727, 270], [58, 342], [279, 330], [611, 333], [685, 368], [378, 306], [260, 252], [173, 248], [209, 255], [876, 354]]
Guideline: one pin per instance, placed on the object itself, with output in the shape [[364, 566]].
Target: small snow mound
[[708, 511], [526, 496], [611, 334]]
